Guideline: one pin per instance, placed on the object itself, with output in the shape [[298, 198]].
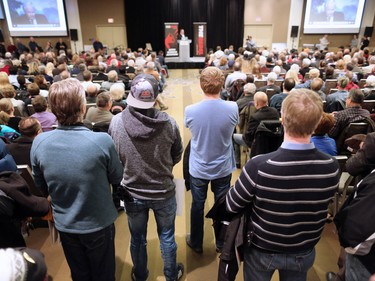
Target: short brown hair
[[301, 112], [33, 89], [212, 80], [39, 103], [103, 99], [325, 124], [67, 100], [29, 127], [8, 91], [6, 105], [316, 84]]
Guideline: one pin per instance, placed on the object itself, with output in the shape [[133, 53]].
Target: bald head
[[260, 100]]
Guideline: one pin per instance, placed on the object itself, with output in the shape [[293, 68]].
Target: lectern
[[184, 50]]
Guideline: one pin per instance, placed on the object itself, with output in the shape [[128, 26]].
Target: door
[[261, 33], [112, 36]]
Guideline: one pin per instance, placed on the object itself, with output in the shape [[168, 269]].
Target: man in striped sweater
[[288, 191]]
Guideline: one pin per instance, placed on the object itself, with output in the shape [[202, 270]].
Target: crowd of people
[[283, 196]]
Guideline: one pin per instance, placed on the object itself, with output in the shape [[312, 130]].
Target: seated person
[[47, 119], [118, 102], [7, 132], [341, 94], [21, 147], [101, 113], [87, 80], [320, 138], [101, 76], [7, 106], [276, 100], [313, 73], [369, 88], [316, 86], [112, 79], [9, 92], [91, 93], [271, 78]]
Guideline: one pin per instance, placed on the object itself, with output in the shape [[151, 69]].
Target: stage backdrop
[[225, 21]]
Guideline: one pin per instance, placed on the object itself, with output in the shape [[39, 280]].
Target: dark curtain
[[145, 22]]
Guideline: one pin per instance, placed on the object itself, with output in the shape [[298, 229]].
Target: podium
[[184, 50]]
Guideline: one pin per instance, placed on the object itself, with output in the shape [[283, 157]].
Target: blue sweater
[[77, 167]]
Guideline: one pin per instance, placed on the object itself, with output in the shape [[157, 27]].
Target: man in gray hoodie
[[149, 145]]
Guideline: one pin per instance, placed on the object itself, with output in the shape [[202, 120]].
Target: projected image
[[41, 17], [333, 16]]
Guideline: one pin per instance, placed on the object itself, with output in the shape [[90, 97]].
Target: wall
[[94, 13], [269, 12]]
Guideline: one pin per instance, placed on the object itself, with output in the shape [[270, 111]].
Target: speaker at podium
[[184, 49]]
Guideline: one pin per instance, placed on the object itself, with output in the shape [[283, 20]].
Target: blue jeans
[[260, 265], [199, 189], [91, 256], [355, 271], [165, 214]]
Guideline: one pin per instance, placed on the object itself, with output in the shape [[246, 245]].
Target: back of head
[[33, 89], [87, 75], [143, 92], [325, 124], [314, 73], [237, 66], [356, 96], [316, 84], [39, 103], [370, 81], [306, 62], [91, 90], [112, 76], [150, 65], [103, 99], [67, 101], [29, 127], [211, 80], [260, 99], [8, 91], [277, 70], [82, 67], [271, 77], [249, 89], [6, 106], [4, 118], [117, 92], [342, 82], [289, 84], [301, 112]]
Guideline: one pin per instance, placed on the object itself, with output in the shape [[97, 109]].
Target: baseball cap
[[143, 91]]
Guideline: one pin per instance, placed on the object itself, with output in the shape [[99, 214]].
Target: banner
[[200, 39], [170, 39]]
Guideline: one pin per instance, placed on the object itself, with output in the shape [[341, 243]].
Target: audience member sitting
[[7, 106], [237, 74], [292, 73], [130, 67], [9, 92], [46, 118], [112, 79], [353, 113], [91, 93], [320, 138], [101, 76], [277, 100], [351, 85], [87, 80], [20, 148], [248, 96], [305, 67], [42, 84], [369, 87], [13, 73], [118, 103], [7, 132], [101, 113], [113, 66], [316, 86], [271, 78], [313, 73], [339, 96]]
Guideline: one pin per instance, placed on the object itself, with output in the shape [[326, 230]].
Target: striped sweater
[[289, 191]]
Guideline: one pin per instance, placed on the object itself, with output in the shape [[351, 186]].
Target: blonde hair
[[4, 79], [292, 74], [301, 111], [4, 118], [8, 91], [211, 80], [6, 106]]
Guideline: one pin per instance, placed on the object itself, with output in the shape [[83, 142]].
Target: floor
[[183, 89]]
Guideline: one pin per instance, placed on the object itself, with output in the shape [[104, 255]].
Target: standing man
[[211, 122], [323, 42], [149, 144], [288, 191], [76, 167], [61, 46], [182, 36]]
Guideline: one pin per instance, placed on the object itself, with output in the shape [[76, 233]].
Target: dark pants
[[91, 256]]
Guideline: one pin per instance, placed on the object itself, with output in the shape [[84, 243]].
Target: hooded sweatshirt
[[149, 145]]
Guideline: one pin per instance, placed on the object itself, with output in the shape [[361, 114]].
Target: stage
[[176, 63]]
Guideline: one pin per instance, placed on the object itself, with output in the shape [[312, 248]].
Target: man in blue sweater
[[76, 167], [288, 191]]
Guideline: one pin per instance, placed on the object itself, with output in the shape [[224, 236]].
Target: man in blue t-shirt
[[211, 122]]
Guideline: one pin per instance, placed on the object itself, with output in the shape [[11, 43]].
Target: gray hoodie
[[149, 145]]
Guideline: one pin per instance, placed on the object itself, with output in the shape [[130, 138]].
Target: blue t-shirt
[[212, 123], [325, 144]]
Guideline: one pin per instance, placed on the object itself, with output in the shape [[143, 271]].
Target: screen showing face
[[35, 17], [333, 16]]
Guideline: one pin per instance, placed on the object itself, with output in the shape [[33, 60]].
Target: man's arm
[[177, 147], [38, 175]]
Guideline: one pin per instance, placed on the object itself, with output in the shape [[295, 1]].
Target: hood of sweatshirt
[[141, 126]]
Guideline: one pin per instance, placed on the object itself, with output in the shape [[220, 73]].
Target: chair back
[[351, 130], [369, 105], [330, 84], [260, 84], [270, 93]]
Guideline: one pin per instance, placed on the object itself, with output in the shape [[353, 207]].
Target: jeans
[[91, 256], [237, 143], [199, 189], [165, 214], [260, 265], [355, 271]]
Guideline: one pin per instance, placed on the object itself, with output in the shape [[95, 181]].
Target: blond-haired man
[[211, 122], [288, 191]]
